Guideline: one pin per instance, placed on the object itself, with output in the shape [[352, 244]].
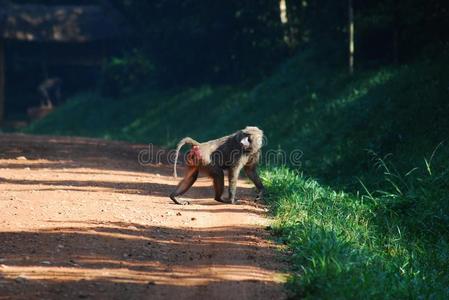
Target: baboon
[[233, 152], [50, 91]]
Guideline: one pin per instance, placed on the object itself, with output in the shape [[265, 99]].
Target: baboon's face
[[245, 142], [250, 142]]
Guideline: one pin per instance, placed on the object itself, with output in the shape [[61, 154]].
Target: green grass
[[391, 244], [152, 116]]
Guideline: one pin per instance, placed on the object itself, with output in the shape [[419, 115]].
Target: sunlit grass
[[360, 90], [154, 116], [385, 244]]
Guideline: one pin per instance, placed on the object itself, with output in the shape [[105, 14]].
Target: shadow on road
[[56, 262]]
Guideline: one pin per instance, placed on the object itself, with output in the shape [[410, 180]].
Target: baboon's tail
[[186, 140]]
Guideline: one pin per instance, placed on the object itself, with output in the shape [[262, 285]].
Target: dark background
[[191, 42]]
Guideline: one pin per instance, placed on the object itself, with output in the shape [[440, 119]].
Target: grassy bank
[[335, 119], [390, 244]]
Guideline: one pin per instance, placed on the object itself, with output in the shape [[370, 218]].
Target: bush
[[121, 75]]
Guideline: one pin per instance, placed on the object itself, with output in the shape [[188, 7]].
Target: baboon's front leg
[[251, 172], [233, 178]]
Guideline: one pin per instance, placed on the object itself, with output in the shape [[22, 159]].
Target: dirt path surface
[[81, 219]]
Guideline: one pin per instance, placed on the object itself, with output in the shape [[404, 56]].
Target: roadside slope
[[337, 120]]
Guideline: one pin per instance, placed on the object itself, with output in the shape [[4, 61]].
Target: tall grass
[[385, 244]]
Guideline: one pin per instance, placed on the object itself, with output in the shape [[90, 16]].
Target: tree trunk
[[283, 11], [351, 36], [396, 34], [2, 80], [284, 20]]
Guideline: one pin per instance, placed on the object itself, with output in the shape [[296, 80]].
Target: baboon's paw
[[184, 202]]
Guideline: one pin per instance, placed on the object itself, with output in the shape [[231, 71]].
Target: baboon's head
[[251, 139]]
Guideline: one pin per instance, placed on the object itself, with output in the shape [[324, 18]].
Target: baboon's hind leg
[[218, 177], [183, 186]]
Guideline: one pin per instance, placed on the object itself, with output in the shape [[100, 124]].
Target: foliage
[[125, 73], [196, 41]]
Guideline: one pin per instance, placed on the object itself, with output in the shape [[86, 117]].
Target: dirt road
[[81, 219]]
